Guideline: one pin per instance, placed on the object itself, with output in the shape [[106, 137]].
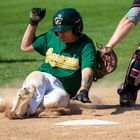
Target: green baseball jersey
[[66, 61]]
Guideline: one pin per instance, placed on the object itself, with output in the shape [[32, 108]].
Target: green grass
[[100, 20]]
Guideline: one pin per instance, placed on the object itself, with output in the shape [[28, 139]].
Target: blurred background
[[100, 20]]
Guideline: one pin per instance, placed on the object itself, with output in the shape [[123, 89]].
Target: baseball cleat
[[126, 100], [21, 104]]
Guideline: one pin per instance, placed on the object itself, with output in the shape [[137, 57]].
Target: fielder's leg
[[128, 90]]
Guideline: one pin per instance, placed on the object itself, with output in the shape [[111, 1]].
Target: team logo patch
[[58, 20]]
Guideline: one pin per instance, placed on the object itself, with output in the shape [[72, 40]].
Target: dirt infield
[[104, 107]]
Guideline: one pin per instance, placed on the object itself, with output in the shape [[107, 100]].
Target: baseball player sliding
[[68, 68]]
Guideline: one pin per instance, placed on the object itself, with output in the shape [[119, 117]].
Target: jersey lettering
[[56, 60]]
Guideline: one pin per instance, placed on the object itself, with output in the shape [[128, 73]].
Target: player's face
[[67, 36]]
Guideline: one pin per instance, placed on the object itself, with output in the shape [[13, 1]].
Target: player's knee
[[35, 78], [35, 75]]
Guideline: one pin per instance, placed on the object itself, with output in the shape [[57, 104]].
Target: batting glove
[[82, 96], [36, 15]]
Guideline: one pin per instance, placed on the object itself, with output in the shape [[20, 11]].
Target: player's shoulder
[[48, 35], [86, 38], [87, 44]]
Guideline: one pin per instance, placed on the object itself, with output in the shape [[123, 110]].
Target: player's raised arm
[[36, 15]]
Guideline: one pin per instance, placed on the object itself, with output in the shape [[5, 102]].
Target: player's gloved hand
[[82, 96], [36, 15]]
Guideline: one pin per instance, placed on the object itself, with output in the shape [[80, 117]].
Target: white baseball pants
[[49, 90]]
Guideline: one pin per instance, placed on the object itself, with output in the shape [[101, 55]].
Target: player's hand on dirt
[[82, 96], [36, 15]]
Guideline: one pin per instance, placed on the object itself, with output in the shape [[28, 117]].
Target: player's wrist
[[84, 91], [109, 46], [33, 23]]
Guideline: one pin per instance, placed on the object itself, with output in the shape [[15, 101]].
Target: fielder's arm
[[87, 78], [122, 30]]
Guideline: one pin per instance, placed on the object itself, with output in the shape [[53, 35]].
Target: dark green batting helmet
[[67, 19]]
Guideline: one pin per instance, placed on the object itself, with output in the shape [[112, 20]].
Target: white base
[[86, 122]]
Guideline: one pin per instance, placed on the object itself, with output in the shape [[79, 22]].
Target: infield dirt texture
[[104, 107]]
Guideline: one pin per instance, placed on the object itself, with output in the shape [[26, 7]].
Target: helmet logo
[[77, 21], [58, 20]]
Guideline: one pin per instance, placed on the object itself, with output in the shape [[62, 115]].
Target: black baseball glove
[[36, 15], [106, 61]]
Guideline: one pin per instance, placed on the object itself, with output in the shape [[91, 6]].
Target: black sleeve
[[136, 3]]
